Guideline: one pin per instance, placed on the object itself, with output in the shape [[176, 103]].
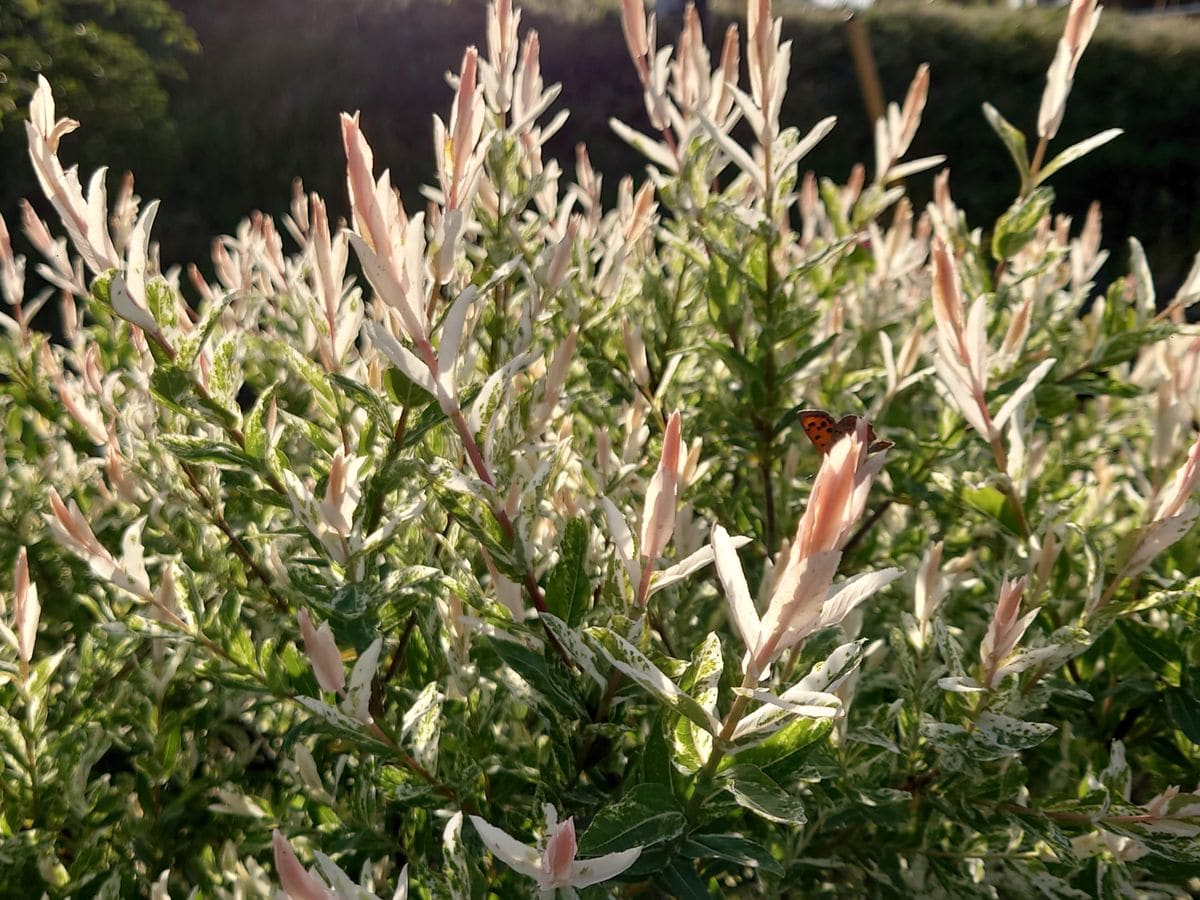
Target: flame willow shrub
[[506, 566]]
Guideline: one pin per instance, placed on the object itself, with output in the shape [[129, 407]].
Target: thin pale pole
[[864, 67]]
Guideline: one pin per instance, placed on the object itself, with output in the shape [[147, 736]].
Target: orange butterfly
[[825, 431]]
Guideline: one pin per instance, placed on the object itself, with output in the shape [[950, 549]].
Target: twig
[[1036, 166], [402, 648], [867, 525], [764, 467]]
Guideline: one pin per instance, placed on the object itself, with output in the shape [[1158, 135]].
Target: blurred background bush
[[217, 105], [115, 66]]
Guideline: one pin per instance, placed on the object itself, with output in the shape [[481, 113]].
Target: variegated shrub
[[473, 544]]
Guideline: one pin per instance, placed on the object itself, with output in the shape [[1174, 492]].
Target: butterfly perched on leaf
[[825, 431]]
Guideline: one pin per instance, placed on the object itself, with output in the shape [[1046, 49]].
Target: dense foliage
[[527, 561]]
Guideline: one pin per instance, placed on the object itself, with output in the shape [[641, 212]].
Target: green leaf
[[161, 301], [732, 848], [784, 752], [951, 741], [398, 593], [1075, 151], [367, 399], [316, 377], [189, 348], [948, 648], [474, 515], [101, 289], [991, 502], [754, 790], [575, 646], [422, 725], [1125, 346], [822, 253], [1091, 384], [1156, 649], [404, 391], [568, 589], [266, 653], [1013, 140], [1048, 831], [872, 202], [1018, 225], [283, 671], [1054, 400], [1113, 879], [997, 735], [175, 388], [431, 417], [1177, 848], [681, 881], [987, 500], [42, 669], [794, 365], [656, 757], [646, 816], [685, 754], [337, 722], [1184, 709], [649, 677], [241, 648], [167, 745], [722, 294], [455, 868], [692, 745], [223, 379], [171, 386], [831, 196], [192, 449], [550, 684], [401, 784], [746, 369]]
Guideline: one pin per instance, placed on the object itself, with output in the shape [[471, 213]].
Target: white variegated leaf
[[629, 660]]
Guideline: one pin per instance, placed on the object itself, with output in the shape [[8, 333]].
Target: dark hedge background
[[221, 130]]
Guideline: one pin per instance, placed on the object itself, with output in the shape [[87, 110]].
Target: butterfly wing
[[847, 423], [824, 430], [821, 428]]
